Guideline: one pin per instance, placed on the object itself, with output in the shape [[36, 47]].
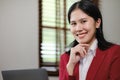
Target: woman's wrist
[[70, 68]]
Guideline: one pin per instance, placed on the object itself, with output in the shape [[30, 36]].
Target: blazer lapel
[[97, 60]]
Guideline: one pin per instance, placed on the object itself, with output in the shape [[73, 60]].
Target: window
[[54, 34]]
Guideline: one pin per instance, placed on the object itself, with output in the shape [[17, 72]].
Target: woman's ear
[[98, 22]]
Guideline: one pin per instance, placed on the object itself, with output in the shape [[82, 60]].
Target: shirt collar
[[93, 47]]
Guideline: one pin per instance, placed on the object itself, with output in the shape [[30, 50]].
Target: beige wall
[[19, 31], [111, 19], [18, 34]]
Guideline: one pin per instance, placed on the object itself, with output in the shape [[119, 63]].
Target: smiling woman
[[54, 33], [90, 56]]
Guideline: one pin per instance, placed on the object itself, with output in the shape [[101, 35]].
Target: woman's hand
[[77, 52]]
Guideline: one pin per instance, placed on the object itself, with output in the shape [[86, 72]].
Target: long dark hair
[[92, 10]]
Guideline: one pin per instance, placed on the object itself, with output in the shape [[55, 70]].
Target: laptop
[[25, 74]]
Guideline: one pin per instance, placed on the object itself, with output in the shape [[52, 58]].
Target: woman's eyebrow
[[78, 20], [83, 18]]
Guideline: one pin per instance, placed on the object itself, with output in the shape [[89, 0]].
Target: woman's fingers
[[86, 46], [83, 52], [78, 51], [81, 49]]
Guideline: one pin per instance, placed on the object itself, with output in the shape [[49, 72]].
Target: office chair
[[25, 74]]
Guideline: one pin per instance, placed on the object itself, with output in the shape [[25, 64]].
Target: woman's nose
[[79, 27]]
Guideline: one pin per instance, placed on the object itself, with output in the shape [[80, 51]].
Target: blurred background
[[34, 33]]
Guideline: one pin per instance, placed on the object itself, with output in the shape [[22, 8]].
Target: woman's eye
[[83, 21], [73, 23]]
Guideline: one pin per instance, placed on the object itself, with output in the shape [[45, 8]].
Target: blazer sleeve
[[115, 65], [63, 75]]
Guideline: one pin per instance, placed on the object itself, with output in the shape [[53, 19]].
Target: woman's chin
[[82, 41]]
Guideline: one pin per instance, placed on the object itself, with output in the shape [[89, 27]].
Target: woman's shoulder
[[115, 46], [65, 55], [112, 49], [115, 49]]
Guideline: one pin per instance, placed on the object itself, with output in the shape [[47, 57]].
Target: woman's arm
[[63, 74]]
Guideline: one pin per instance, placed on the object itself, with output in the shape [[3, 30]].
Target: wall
[[19, 31], [111, 19], [18, 34]]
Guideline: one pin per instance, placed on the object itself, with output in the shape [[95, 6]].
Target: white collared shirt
[[86, 61]]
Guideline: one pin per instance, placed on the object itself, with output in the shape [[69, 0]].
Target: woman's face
[[83, 27]]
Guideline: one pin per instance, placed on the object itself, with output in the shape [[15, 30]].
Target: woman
[[91, 57]]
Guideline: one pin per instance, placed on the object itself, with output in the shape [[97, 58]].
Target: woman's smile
[[81, 35]]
